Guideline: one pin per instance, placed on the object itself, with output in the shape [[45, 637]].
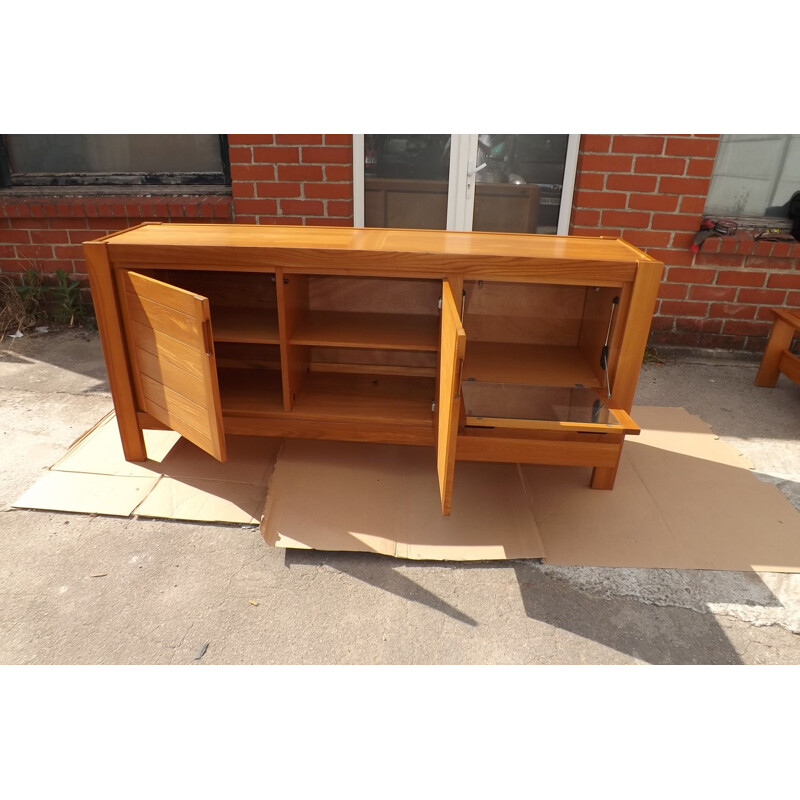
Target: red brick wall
[[651, 190], [292, 179], [45, 233], [275, 178]]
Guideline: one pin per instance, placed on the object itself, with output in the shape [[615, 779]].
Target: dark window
[[113, 159]]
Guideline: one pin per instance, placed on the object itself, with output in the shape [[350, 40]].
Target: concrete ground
[[169, 591]]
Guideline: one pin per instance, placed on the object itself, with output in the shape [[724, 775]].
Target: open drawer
[[525, 406]]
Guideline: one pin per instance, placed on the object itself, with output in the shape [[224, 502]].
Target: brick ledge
[[744, 243], [121, 206]]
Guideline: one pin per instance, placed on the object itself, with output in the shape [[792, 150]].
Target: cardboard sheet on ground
[[385, 499], [81, 492], [178, 481], [683, 499]]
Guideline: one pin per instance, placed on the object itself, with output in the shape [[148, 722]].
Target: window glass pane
[[406, 180], [407, 155], [754, 175], [789, 178], [113, 153], [519, 182], [518, 185]]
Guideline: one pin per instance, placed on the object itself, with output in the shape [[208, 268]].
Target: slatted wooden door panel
[[172, 357], [451, 359]]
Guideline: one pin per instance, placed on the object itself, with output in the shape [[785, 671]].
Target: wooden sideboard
[[483, 346]]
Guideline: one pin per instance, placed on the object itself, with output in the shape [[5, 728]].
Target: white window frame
[[461, 189]]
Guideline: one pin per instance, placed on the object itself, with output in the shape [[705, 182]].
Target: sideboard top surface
[[380, 241]]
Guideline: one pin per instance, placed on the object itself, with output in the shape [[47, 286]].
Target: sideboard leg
[[604, 477], [112, 338]]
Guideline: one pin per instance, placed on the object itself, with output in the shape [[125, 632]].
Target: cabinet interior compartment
[[540, 334], [244, 306], [362, 348], [245, 391], [249, 377], [244, 322], [535, 355], [367, 312]]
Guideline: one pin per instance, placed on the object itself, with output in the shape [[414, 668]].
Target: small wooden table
[[777, 357]]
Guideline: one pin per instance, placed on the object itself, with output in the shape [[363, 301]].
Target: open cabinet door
[[451, 359], [172, 358]]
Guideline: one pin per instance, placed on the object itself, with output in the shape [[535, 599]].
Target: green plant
[[33, 301], [67, 306], [32, 292]]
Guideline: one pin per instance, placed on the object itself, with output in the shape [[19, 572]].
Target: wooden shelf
[[399, 400], [368, 330], [542, 365], [256, 325]]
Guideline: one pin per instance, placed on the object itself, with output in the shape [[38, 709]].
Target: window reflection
[[407, 155], [518, 184], [527, 159]]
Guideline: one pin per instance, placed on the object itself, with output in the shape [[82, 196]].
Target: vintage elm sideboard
[[485, 346]]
